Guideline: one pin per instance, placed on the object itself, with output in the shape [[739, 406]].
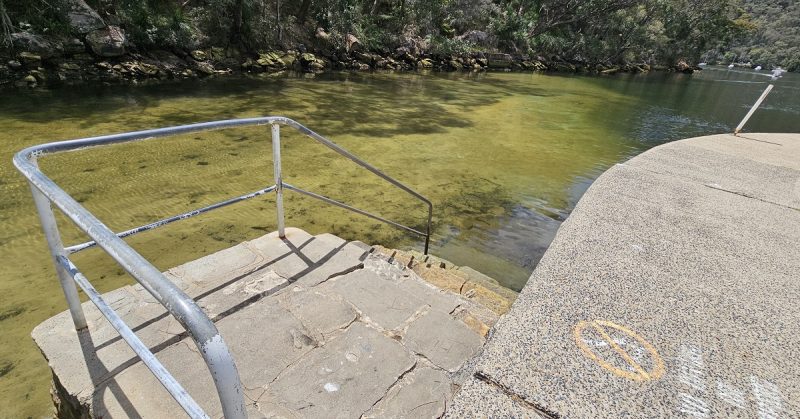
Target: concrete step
[[463, 280], [318, 326]]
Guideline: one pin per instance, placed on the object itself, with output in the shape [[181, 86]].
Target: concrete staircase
[[319, 327]]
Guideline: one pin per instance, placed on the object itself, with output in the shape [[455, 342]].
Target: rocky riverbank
[[104, 56]]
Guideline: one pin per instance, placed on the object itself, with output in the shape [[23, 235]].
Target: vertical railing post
[[276, 164], [428, 228], [50, 228]]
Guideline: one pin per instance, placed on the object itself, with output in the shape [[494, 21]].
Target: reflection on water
[[504, 158]]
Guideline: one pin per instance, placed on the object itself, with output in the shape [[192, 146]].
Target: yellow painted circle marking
[[602, 327]]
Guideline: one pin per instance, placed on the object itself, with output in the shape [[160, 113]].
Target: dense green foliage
[[775, 39], [592, 31]]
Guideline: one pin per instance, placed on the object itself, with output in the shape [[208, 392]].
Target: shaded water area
[[503, 156]]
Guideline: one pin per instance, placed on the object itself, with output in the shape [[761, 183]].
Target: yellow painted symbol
[[604, 329]]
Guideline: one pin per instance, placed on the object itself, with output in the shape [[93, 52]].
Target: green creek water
[[503, 156]]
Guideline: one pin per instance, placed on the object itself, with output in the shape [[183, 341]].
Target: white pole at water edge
[[753, 109]]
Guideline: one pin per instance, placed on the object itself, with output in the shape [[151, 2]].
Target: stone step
[[464, 280], [318, 326]]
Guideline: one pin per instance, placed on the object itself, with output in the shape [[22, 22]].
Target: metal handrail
[[173, 387], [199, 327]]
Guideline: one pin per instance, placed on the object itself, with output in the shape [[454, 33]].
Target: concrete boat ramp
[[671, 291]]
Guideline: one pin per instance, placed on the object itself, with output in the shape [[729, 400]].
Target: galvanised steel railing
[[199, 327]]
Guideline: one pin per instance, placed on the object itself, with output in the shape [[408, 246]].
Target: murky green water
[[504, 157]]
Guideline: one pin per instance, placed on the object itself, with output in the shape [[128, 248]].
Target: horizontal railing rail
[[354, 209], [200, 328], [179, 217]]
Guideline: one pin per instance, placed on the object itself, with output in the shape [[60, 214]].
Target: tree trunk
[[278, 20], [7, 26], [236, 29], [302, 14]]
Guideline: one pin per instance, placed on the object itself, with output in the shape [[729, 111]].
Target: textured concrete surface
[[319, 328], [671, 291]]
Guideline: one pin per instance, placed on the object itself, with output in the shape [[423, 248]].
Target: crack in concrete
[[284, 371], [423, 404], [389, 389], [707, 185], [421, 357], [401, 330], [540, 410], [444, 411], [342, 273], [260, 395], [326, 336], [461, 288], [745, 195], [756, 139]]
